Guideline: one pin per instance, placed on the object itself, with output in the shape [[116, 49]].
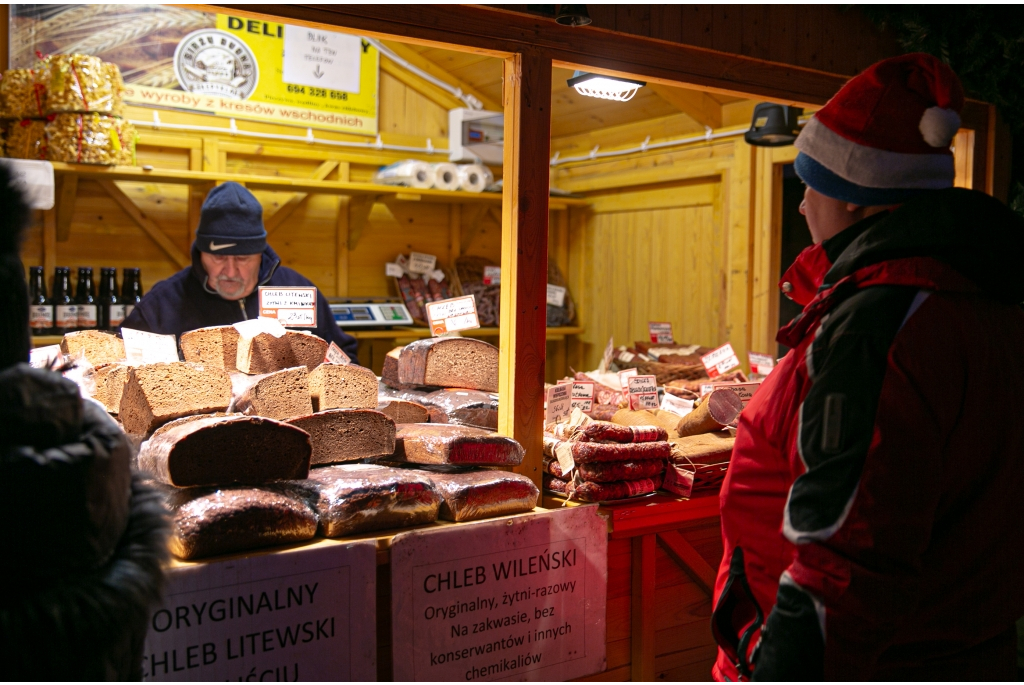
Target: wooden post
[[341, 238], [49, 241], [524, 254], [642, 631]]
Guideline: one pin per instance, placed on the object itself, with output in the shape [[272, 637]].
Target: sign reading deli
[[183, 59]]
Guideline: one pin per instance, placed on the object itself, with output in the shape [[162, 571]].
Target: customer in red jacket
[[873, 513]]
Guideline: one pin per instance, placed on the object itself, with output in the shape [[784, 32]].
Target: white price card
[[559, 403], [44, 357], [515, 598], [624, 377], [143, 347], [761, 364], [392, 269], [250, 328], [336, 355], [583, 395], [563, 453], [420, 263], [556, 295], [449, 316], [676, 405], [290, 306], [492, 275], [643, 392], [660, 332], [720, 360]]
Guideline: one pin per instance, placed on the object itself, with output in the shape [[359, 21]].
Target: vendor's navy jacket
[[183, 303]]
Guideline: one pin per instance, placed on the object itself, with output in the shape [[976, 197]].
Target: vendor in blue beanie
[[230, 259]]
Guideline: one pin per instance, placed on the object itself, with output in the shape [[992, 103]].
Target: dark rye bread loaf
[[97, 347], [403, 411], [450, 363], [341, 435], [464, 407], [279, 395], [483, 494], [389, 372], [108, 380], [358, 498], [342, 386], [208, 522], [225, 450], [263, 353], [430, 443], [215, 347], [156, 393]]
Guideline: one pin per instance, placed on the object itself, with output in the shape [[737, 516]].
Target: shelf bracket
[[689, 559], [359, 208], [146, 224], [275, 220]]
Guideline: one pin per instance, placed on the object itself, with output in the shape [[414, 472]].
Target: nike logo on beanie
[[214, 247]]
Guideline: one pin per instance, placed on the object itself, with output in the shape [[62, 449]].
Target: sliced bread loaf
[[156, 393], [263, 353], [109, 379], [389, 372], [225, 450], [430, 443], [341, 435], [279, 395], [337, 386], [403, 411], [215, 347], [98, 347], [450, 363]]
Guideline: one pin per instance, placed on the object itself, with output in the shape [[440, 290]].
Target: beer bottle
[[66, 311], [40, 307], [85, 298], [111, 306], [131, 290]]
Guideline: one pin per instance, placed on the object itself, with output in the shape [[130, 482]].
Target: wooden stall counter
[[663, 555]]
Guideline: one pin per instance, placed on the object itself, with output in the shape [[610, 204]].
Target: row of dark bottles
[[85, 310]]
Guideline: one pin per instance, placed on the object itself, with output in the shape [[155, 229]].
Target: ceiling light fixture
[[773, 125], [573, 15], [606, 87]]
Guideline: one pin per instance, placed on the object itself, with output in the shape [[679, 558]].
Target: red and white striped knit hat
[[885, 136]]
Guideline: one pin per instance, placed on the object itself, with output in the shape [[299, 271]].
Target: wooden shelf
[[380, 193]]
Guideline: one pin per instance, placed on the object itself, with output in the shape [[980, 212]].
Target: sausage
[[611, 471], [601, 431]]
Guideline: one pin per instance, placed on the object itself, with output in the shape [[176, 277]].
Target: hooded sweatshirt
[[872, 515], [183, 303]]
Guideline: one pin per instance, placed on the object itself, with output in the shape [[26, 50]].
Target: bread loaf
[[403, 411], [97, 347], [342, 386], [483, 494], [207, 522], [465, 407], [341, 435], [156, 393], [278, 395], [225, 450], [450, 363], [188, 419], [109, 380], [263, 353], [359, 498], [215, 347], [389, 372], [429, 443]]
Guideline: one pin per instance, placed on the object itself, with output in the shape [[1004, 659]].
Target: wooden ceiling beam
[[436, 70], [626, 135], [440, 97], [704, 109]]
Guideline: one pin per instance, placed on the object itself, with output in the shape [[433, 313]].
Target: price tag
[[420, 263], [643, 392], [626, 356], [661, 332], [290, 306], [392, 269], [43, 357], [556, 295], [559, 403], [336, 355], [143, 347], [402, 261], [437, 275], [583, 395], [721, 360], [761, 364], [492, 275], [250, 328], [456, 314], [676, 405], [678, 481], [563, 453]]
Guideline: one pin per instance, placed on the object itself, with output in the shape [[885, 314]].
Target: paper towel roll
[[408, 172], [474, 178], [446, 176]]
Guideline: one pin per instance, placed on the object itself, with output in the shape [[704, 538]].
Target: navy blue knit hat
[[231, 222]]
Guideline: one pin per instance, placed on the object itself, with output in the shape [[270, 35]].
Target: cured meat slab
[[450, 363], [430, 443], [341, 435], [483, 494]]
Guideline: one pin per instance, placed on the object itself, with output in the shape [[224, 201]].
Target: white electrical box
[[476, 136]]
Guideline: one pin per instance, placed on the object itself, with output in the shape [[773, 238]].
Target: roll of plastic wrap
[[474, 178], [408, 172], [446, 176]]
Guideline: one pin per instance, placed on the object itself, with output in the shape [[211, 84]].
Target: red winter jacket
[[873, 512]]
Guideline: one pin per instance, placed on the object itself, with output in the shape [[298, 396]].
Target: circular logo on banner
[[216, 63]]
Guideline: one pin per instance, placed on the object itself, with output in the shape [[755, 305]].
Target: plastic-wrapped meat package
[[466, 407], [428, 443], [358, 498], [212, 521], [610, 471], [483, 494]]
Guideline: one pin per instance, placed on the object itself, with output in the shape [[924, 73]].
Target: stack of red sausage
[[609, 461]]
